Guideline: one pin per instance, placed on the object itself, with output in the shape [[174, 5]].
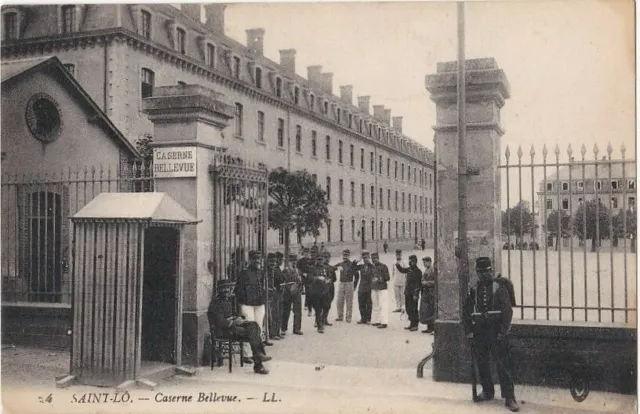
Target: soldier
[[487, 317], [303, 266], [274, 279], [379, 292], [330, 291], [399, 281], [250, 292], [292, 297], [411, 291], [348, 280], [364, 290], [428, 296], [318, 291]]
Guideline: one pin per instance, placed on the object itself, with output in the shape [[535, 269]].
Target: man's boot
[[260, 369], [512, 404]]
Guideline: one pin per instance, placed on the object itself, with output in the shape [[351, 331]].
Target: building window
[[353, 193], [328, 231], [353, 229], [580, 200], [381, 198], [549, 186], [327, 146], [350, 120], [239, 115], [414, 175], [280, 132], [362, 158], [598, 185], [373, 196], [415, 203], [68, 19], [631, 184], [632, 202], [10, 26], [312, 102], [565, 186], [341, 230], [211, 56], [388, 199], [371, 161], [298, 138], [314, 146], [340, 151], [614, 202], [71, 68], [181, 37], [396, 200], [329, 189], [614, 184], [402, 172], [409, 210], [236, 67], [258, 78], [373, 230], [409, 173], [580, 185], [403, 201], [279, 87], [565, 204], [296, 95], [388, 167], [340, 191], [395, 170], [370, 129], [362, 195], [181, 83], [379, 164], [404, 229], [325, 107], [147, 81], [339, 114], [351, 151], [549, 204], [360, 126], [260, 126]]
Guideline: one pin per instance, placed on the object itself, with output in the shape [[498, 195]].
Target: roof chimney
[[378, 112], [214, 13], [327, 82], [314, 74], [363, 103], [255, 41], [387, 116], [192, 10], [346, 94], [288, 60], [397, 123]]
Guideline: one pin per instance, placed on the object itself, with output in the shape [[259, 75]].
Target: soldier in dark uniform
[[274, 279], [223, 323], [291, 297], [487, 315], [411, 291], [330, 288], [318, 291], [364, 289], [428, 296], [303, 266]]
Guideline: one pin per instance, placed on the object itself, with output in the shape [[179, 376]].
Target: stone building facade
[[381, 183]]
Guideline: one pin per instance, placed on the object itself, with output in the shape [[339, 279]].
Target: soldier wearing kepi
[[364, 289], [428, 296], [318, 291], [292, 298], [330, 290], [303, 265], [250, 292], [411, 291], [399, 281], [488, 310], [274, 279], [379, 292], [348, 280]]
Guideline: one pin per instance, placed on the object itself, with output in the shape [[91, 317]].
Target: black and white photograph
[[319, 207]]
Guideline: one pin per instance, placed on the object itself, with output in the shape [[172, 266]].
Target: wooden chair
[[226, 347]]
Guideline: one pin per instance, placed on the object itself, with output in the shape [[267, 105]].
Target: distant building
[[380, 182]]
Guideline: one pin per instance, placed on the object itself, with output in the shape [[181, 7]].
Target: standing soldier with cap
[[412, 291], [348, 279], [274, 279], [292, 298], [250, 292], [364, 289], [428, 296], [330, 290], [318, 291], [399, 281], [379, 292], [487, 315], [303, 265]]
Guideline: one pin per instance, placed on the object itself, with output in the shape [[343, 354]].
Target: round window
[[43, 117]]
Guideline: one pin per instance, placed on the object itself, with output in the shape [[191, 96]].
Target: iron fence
[[36, 212], [575, 236]]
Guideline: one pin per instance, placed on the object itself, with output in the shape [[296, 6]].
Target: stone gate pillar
[[487, 88], [188, 121]]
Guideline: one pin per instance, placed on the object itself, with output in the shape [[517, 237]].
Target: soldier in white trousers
[[379, 293], [399, 281]]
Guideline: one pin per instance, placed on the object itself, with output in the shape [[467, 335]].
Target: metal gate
[[239, 213]]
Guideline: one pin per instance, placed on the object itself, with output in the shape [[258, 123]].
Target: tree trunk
[[287, 234], [593, 244]]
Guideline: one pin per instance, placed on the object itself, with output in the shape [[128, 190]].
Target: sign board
[[174, 162], [481, 237]]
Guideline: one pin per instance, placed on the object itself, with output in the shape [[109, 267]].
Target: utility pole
[[463, 248]]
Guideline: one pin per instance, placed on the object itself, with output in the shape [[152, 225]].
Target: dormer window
[[360, 126], [339, 115], [258, 78], [296, 95], [181, 37], [279, 87], [10, 26], [325, 107], [236, 67], [312, 102], [68, 19], [370, 129], [145, 24], [350, 120], [210, 55]]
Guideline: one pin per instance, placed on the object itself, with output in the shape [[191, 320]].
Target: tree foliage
[[143, 145], [297, 202], [517, 220], [594, 223]]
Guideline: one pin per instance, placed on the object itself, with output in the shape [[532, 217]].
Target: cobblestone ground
[[350, 344]]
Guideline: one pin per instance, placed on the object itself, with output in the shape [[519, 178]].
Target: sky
[[570, 63]]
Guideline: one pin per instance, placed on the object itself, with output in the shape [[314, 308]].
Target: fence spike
[[623, 149], [519, 151], [569, 151], [557, 151], [532, 151], [544, 151], [595, 150], [583, 151], [609, 149]]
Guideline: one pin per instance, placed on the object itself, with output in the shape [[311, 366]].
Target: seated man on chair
[[225, 324]]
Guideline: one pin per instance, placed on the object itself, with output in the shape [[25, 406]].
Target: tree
[[552, 225], [593, 222], [516, 214], [297, 202], [143, 145], [618, 226]]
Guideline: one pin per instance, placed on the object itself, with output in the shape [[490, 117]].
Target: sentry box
[[127, 290]]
